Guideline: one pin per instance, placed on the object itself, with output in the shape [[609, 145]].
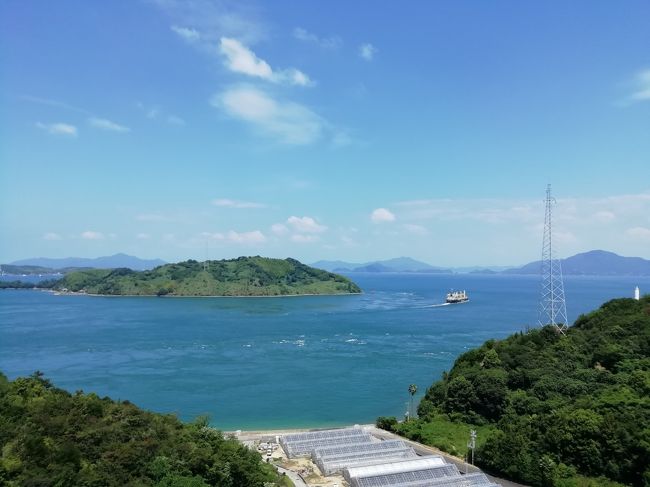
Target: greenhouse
[[419, 471], [334, 459], [302, 444]]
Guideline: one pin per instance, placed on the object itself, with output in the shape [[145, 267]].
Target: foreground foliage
[[49, 437], [552, 409], [245, 276]]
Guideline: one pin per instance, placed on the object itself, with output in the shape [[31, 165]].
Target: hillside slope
[[551, 406], [245, 276]]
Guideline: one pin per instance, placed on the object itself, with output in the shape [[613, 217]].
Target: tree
[[412, 390]]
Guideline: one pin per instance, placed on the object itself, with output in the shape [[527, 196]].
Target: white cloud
[[91, 235], [58, 128], [381, 215], [415, 229], [226, 203], [291, 123], [52, 236], [300, 238], [187, 34], [642, 87], [104, 124], [241, 59], [332, 42], [640, 233], [367, 51], [143, 236], [305, 224], [279, 229]]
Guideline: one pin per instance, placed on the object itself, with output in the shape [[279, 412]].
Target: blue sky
[[339, 130]]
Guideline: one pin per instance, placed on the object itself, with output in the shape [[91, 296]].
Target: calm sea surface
[[275, 362]]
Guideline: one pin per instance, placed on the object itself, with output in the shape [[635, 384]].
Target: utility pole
[[552, 305], [472, 443]]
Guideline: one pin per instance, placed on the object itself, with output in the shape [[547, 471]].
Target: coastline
[[72, 293]]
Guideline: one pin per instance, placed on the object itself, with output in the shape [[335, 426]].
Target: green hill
[[245, 276], [49, 437], [551, 409]]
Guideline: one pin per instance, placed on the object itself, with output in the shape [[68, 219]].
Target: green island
[[49, 437], [550, 410], [244, 276]]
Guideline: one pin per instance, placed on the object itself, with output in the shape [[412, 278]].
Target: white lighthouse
[[637, 294]]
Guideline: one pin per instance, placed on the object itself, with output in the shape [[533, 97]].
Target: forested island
[[245, 276], [551, 410], [49, 437]]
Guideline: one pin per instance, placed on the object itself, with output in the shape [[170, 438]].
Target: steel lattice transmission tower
[[552, 305]]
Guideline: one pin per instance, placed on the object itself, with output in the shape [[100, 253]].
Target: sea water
[[259, 363]]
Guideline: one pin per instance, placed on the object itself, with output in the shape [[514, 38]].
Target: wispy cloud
[[303, 239], [332, 42], [52, 236], [382, 215], [415, 229], [186, 33], [174, 120], [205, 21], [228, 203], [153, 217], [104, 124], [640, 233], [305, 224], [641, 87], [53, 103], [92, 235], [154, 112], [60, 128], [240, 59], [279, 229], [143, 236], [288, 122], [367, 51], [252, 237]]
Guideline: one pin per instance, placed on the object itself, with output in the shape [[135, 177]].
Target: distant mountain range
[[107, 262], [399, 264], [593, 263]]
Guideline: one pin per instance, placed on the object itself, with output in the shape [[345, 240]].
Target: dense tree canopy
[[49, 437], [553, 406], [244, 276]]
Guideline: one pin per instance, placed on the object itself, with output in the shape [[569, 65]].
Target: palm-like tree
[[412, 390]]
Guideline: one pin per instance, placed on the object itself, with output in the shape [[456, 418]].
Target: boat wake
[[437, 305]]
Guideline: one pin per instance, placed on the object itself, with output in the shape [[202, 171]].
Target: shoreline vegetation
[[50, 437], [550, 410], [241, 277]]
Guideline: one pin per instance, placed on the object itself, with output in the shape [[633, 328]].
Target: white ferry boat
[[457, 297]]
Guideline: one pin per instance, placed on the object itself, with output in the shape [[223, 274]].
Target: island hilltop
[[244, 276]]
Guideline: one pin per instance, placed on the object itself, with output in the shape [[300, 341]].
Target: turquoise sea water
[[274, 362]]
